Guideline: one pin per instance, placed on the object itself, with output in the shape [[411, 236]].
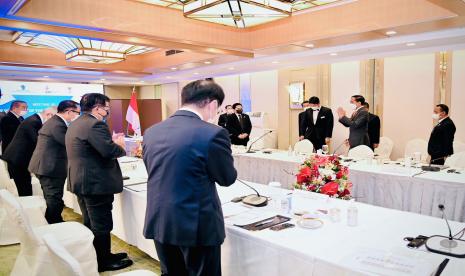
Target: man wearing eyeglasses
[[94, 174], [49, 162]]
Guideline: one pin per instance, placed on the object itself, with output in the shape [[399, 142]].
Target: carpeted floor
[[141, 260]]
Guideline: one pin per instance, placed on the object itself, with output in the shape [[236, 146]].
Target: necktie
[[241, 121], [21, 118]]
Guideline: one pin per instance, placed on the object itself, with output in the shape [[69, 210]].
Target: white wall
[[264, 95], [408, 99], [171, 99], [457, 108], [230, 85], [345, 82]]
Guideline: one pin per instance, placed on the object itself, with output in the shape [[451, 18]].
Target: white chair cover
[[33, 206], [384, 149], [417, 145], [457, 160], [9, 184], [361, 152], [459, 146], [304, 146], [67, 265], [34, 257]]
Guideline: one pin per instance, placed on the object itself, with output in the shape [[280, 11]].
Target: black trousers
[[96, 214], [189, 261], [22, 178], [53, 194]]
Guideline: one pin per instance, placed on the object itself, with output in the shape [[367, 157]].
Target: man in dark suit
[[10, 122], [94, 174], [440, 144], [185, 155], [2, 114], [317, 124], [19, 151], [305, 106], [49, 162], [357, 123], [239, 126], [223, 119], [374, 128]]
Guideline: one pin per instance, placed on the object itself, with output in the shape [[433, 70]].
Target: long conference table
[[374, 247], [385, 185]]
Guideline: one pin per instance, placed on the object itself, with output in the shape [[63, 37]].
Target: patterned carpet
[[141, 260]]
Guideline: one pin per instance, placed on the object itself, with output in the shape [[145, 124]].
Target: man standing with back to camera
[[185, 155], [94, 174]]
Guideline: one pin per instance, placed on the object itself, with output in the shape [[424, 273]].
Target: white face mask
[[435, 116], [22, 112], [315, 108], [353, 106]]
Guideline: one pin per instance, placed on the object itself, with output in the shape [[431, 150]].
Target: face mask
[[22, 112], [239, 111], [435, 116], [353, 106], [315, 108]]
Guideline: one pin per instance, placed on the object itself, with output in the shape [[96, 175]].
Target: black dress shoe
[[114, 265], [118, 256]]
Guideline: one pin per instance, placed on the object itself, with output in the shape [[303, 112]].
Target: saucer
[[310, 223]]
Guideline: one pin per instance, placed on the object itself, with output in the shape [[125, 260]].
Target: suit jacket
[[374, 127], [19, 151], [323, 128], [184, 157], [222, 120], [8, 126], [441, 140], [49, 157], [234, 127], [358, 127], [2, 114], [92, 165]]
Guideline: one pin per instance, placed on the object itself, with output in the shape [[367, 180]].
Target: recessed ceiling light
[[231, 68], [391, 32], [174, 68], [141, 81], [275, 62], [102, 79], [309, 45], [196, 73], [410, 44], [207, 62], [333, 54], [168, 77], [45, 76]]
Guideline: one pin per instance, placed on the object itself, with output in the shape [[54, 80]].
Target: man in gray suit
[[49, 162], [357, 123], [185, 155], [94, 174]]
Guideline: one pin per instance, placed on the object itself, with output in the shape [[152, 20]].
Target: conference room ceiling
[[358, 28]]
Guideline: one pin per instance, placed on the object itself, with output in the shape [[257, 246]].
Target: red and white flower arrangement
[[324, 174]]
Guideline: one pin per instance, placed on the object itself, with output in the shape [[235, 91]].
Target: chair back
[[459, 146], [384, 149], [5, 181], [362, 152], [457, 160], [63, 263], [417, 145], [304, 146]]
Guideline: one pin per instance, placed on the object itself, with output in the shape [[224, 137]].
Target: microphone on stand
[[249, 150], [446, 245], [254, 200], [431, 168]]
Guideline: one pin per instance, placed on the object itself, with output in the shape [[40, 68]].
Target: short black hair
[[66, 105], [227, 106], [201, 92], [314, 100], [444, 108], [16, 104], [359, 98], [366, 104], [304, 102], [235, 105], [91, 100]]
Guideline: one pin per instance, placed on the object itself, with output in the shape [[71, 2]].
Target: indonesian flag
[[132, 116]]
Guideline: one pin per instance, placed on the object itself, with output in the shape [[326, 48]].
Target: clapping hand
[[341, 112]]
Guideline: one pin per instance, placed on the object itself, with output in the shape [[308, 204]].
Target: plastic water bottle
[[352, 214], [286, 202]]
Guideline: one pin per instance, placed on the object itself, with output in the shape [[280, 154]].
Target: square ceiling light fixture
[[240, 13], [81, 49]]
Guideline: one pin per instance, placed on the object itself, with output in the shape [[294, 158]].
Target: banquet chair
[[459, 146], [417, 145], [304, 146], [66, 265], [34, 257], [361, 152], [456, 160], [384, 149]]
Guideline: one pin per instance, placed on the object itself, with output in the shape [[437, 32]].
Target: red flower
[[330, 188], [344, 193], [339, 175], [304, 175]]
